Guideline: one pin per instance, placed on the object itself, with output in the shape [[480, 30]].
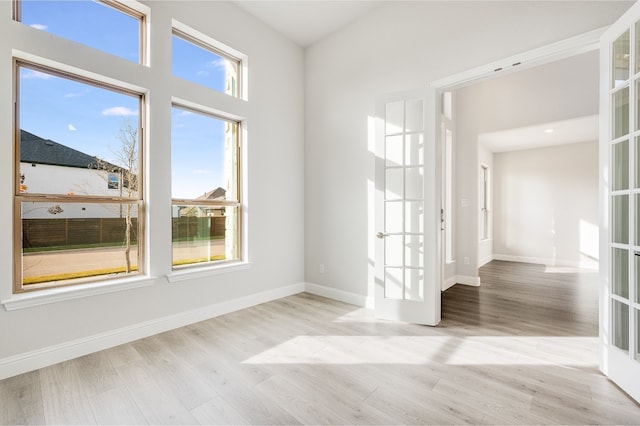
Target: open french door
[[407, 209], [620, 194]]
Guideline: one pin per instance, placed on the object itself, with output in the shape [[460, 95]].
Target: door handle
[[381, 235]]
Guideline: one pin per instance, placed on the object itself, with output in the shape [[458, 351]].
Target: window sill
[[205, 271], [60, 294]]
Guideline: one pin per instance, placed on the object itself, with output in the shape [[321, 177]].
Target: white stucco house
[[48, 167]]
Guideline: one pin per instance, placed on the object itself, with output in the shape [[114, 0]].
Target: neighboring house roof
[[36, 150], [217, 194]]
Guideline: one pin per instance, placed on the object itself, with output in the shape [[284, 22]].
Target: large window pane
[[115, 31], [204, 187], [78, 190], [203, 156], [63, 243], [203, 234], [76, 138], [195, 61]]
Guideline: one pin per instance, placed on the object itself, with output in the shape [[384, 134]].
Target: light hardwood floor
[[521, 349]]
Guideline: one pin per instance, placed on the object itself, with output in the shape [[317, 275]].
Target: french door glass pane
[[414, 120], [393, 150], [394, 184], [621, 113], [637, 334], [621, 53], [637, 264], [637, 219], [620, 220], [394, 117], [415, 179], [415, 150], [637, 43], [636, 164], [414, 284], [414, 251], [620, 268], [393, 250], [414, 211], [393, 284], [621, 325], [393, 217], [620, 166]]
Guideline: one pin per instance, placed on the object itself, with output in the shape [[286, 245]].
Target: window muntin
[[66, 164], [106, 25], [206, 209], [197, 61]]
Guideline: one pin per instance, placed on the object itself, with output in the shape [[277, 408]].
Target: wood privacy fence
[[69, 232]]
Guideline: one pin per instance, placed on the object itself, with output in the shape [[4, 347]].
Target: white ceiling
[[583, 129], [307, 21]]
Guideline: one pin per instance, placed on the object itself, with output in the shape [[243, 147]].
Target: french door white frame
[[620, 365], [422, 307]]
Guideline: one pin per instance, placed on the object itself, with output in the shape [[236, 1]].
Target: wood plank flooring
[[520, 349]]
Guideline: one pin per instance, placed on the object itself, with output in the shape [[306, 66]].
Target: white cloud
[[119, 111], [202, 73], [200, 171], [185, 113], [29, 74], [219, 63], [71, 128], [38, 26]]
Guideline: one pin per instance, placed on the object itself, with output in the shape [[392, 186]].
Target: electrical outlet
[[321, 268], [466, 260]]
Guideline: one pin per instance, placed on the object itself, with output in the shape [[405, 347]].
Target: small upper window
[[199, 62], [106, 25]]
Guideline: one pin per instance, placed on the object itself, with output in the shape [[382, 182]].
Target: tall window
[[484, 208], [78, 179], [205, 187], [106, 25]]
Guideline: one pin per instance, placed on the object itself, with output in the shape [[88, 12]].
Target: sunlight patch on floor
[[418, 350]]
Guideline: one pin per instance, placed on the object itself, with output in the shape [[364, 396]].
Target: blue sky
[[88, 118]]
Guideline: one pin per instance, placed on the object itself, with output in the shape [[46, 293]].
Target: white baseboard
[[449, 282], [546, 261], [468, 280], [484, 261], [33, 360], [340, 295]]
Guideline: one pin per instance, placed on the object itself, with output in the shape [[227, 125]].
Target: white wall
[[546, 205], [400, 46], [274, 150]]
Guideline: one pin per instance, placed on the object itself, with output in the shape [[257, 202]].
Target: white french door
[[620, 218], [407, 252]]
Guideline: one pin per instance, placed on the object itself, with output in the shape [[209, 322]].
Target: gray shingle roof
[[36, 150]]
